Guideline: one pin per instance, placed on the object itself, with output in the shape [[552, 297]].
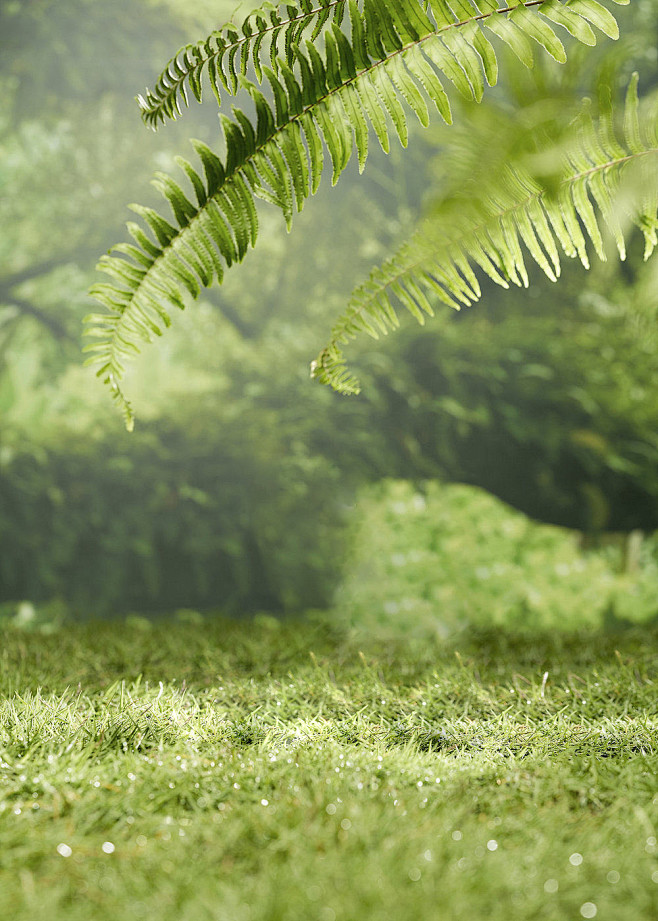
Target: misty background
[[499, 466]]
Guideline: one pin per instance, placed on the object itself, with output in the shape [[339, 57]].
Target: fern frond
[[392, 62], [604, 182], [268, 33], [276, 30]]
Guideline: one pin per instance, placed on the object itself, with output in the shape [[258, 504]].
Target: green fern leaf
[[227, 54], [490, 232], [378, 29], [391, 63]]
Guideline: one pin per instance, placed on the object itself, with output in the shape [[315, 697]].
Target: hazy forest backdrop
[[246, 487]]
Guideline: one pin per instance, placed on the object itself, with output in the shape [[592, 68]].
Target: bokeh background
[[499, 466]]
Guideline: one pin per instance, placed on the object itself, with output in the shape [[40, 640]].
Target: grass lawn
[[255, 771]]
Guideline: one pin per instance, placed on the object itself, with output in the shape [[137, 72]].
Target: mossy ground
[[242, 771]]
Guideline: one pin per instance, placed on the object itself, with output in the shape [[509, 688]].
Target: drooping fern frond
[[393, 59], [270, 32], [277, 29], [603, 180]]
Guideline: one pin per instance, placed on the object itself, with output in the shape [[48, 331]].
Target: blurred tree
[[227, 504]]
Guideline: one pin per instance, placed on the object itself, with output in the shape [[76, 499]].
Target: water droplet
[[331, 809], [588, 910], [64, 850], [456, 835], [492, 845], [264, 802], [576, 859], [107, 847]]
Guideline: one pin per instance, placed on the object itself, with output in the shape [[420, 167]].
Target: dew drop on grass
[[456, 835], [588, 910], [492, 845], [576, 859], [107, 847], [64, 850]]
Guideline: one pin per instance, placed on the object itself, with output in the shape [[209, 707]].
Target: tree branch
[[246, 330], [48, 265], [26, 307], [32, 271]]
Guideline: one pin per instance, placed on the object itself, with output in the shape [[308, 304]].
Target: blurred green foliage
[[546, 402], [198, 510], [444, 557], [235, 490]]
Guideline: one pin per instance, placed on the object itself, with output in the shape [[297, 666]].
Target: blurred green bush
[[433, 558], [194, 511]]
